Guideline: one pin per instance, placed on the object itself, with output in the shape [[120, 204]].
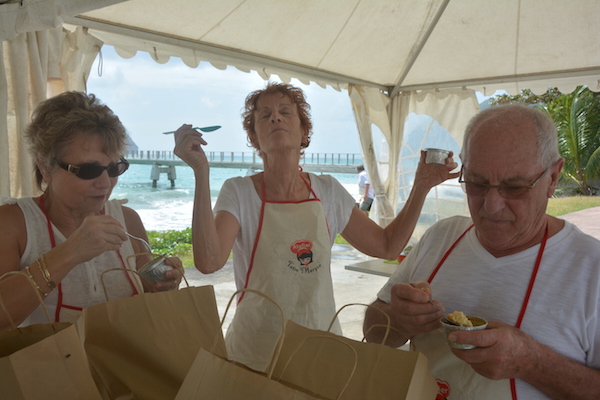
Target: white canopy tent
[[394, 57]]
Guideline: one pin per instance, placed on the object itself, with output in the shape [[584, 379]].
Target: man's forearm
[[562, 378]]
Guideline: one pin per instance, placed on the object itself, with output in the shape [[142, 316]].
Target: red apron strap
[[536, 267], [435, 271]]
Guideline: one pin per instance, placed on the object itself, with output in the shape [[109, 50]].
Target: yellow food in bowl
[[459, 318]]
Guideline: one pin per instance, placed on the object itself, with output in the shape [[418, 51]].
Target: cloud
[[151, 98]]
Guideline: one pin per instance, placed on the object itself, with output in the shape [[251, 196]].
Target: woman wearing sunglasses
[[64, 239]]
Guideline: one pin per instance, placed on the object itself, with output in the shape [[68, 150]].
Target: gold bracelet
[[30, 276], [45, 273]]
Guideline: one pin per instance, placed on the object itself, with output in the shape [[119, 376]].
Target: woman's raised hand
[[430, 175], [188, 146]]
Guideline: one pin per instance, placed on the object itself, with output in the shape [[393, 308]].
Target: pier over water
[[163, 161]]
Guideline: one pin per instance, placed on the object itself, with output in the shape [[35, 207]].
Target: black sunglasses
[[92, 171]]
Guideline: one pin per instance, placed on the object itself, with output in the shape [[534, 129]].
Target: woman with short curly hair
[[281, 223]]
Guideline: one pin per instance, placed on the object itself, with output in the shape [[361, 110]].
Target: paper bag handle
[[34, 286], [389, 322], [140, 254], [279, 342], [129, 270], [335, 340], [386, 326]]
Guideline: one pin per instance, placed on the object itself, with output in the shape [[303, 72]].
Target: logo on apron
[[444, 390], [304, 257]]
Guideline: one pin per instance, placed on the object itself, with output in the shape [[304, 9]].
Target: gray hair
[[547, 137]]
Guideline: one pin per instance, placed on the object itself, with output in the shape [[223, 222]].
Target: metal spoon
[[446, 320], [141, 240]]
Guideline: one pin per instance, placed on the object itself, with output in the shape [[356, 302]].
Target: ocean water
[[166, 207]]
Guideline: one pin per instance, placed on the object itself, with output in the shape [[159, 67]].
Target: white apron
[[290, 262], [455, 378]]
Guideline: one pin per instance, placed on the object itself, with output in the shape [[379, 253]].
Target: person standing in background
[[364, 189]]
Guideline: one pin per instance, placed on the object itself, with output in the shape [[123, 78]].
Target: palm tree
[[577, 119]]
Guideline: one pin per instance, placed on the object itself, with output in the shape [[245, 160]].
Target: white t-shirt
[[363, 181], [564, 308], [238, 197]]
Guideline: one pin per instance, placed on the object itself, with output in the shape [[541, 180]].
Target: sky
[[151, 98]]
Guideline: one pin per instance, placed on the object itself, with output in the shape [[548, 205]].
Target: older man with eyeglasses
[[534, 277]]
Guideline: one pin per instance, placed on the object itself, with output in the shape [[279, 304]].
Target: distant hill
[[131, 146]]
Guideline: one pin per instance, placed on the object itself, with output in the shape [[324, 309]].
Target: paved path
[[587, 220]]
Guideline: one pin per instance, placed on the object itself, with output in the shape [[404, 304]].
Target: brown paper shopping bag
[[143, 346], [214, 377], [382, 372], [44, 361]]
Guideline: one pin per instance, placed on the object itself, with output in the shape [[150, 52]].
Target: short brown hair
[[56, 122], [294, 93]]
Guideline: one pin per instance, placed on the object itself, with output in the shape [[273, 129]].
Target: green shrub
[[340, 240], [172, 242]]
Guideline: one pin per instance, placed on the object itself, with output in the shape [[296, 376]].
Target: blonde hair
[[56, 122]]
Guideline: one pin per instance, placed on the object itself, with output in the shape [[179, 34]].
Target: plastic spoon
[[204, 129]]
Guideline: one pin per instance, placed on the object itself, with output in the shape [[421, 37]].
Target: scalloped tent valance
[[400, 45], [396, 46]]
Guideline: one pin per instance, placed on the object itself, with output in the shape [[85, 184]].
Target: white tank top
[[82, 286]]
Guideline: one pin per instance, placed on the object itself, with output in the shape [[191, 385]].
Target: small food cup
[[449, 327], [436, 156], [154, 271]]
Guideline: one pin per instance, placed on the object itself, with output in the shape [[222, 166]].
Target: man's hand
[[412, 310], [502, 352]]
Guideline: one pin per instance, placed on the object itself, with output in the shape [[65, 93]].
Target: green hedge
[[171, 242]]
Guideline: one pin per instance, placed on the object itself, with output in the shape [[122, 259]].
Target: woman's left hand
[[172, 277], [430, 175]]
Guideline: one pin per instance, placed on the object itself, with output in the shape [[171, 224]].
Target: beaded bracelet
[[30, 276], [41, 262]]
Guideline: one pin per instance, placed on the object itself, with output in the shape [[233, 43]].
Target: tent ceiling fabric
[[395, 45], [19, 16]]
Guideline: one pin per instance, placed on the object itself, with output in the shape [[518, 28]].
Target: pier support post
[[157, 169]]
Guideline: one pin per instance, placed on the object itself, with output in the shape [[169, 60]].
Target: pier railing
[[165, 161], [248, 158]]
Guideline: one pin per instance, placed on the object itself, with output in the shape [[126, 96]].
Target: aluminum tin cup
[[478, 324], [436, 156], [154, 271]]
